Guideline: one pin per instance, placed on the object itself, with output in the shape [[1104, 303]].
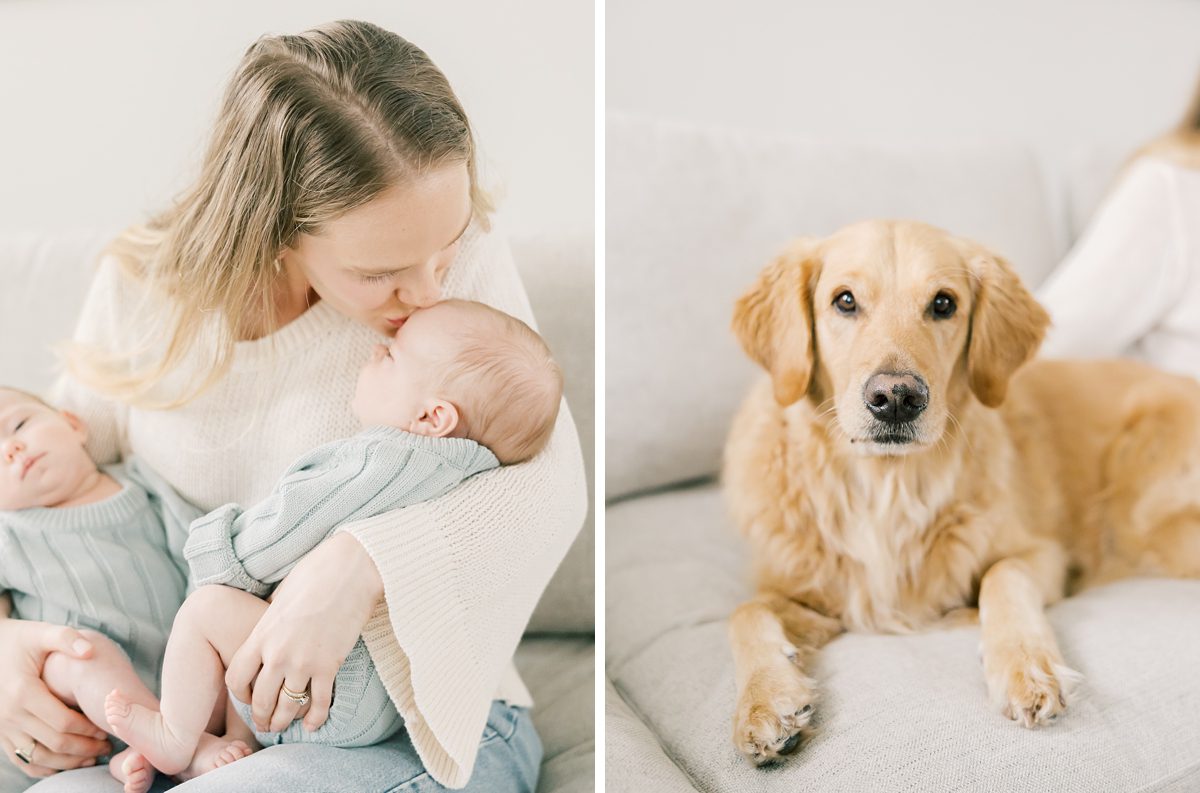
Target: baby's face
[[397, 385], [42, 459]]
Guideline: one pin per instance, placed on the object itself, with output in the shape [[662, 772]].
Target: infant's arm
[[367, 475]]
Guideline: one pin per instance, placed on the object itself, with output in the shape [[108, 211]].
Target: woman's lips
[[396, 323]]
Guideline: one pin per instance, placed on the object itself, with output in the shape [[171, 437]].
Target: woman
[[223, 340], [1131, 285]]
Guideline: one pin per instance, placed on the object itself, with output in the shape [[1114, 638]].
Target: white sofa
[[45, 276], [692, 215]]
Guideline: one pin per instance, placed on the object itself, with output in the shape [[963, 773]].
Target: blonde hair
[[311, 126], [503, 380], [1182, 144]]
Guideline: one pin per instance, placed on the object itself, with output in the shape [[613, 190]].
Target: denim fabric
[[362, 712], [510, 757]]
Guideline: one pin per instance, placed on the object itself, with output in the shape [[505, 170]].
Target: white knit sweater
[[1131, 284], [461, 573]]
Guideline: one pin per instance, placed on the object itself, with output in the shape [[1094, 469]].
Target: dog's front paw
[[1030, 686], [773, 714]]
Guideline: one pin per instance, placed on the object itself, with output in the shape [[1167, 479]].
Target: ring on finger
[[299, 697], [26, 755]]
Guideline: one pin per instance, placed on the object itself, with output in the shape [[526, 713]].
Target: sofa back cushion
[[560, 277], [693, 214]]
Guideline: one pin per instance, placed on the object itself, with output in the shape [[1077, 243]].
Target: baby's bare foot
[[132, 768], [212, 753], [145, 731]]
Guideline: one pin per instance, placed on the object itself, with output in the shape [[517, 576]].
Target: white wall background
[[1056, 74], [105, 104]]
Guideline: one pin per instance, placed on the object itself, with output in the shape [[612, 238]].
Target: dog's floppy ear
[[1007, 325], [773, 320]]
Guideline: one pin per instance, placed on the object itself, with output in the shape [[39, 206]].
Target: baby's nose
[[11, 448]]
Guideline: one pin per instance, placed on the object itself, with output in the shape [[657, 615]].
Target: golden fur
[[1021, 483]]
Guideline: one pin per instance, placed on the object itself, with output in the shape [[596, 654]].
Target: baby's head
[[42, 459], [463, 369]]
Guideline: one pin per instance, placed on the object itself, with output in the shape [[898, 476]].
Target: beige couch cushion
[[560, 278], [896, 712], [561, 674], [693, 215]]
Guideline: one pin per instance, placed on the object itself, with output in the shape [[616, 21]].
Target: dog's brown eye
[[845, 302], [943, 306]]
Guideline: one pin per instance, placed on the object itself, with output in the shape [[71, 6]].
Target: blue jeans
[[510, 756]]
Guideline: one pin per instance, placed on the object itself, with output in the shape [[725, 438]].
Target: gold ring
[[26, 755], [299, 697]]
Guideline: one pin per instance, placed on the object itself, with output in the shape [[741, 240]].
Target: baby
[[461, 388], [95, 549]]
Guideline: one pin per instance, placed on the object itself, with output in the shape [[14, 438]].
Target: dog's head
[[891, 326]]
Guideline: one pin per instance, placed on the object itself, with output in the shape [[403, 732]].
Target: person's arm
[[374, 472], [1124, 273]]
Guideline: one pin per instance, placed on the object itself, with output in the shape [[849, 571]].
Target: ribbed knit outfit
[[461, 572], [115, 566], [376, 471]]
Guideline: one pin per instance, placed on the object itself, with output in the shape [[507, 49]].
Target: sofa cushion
[[896, 712], [561, 675], [560, 278], [693, 215], [634, 760], [1089, 174], [46, 277]]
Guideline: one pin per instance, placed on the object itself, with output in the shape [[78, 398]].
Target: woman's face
[[383, 260]]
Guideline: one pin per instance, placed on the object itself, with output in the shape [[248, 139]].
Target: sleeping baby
[[460, 389], [99, 549]]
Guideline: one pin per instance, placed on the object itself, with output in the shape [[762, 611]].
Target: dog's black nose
[[895, 397]]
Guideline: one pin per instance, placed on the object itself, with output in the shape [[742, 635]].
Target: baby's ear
[[77, 424], [439, 419]]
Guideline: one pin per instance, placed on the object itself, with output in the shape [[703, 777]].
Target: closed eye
[[375, 279]]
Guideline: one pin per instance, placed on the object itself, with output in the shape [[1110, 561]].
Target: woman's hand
[[316, 615], [29, 712]]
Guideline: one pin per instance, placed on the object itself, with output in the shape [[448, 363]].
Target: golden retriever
[[902, 465]]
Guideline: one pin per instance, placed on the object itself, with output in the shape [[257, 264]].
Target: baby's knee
[[206, 604]]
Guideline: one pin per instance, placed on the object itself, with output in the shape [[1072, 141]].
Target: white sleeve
[[1125, 272]]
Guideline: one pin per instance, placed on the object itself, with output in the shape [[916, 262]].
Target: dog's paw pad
[[1034, 693], [764, 733]]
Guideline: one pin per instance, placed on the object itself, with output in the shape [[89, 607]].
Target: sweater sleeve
[[109, 304], [1125, 272], [379, 471], [462, 573]]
